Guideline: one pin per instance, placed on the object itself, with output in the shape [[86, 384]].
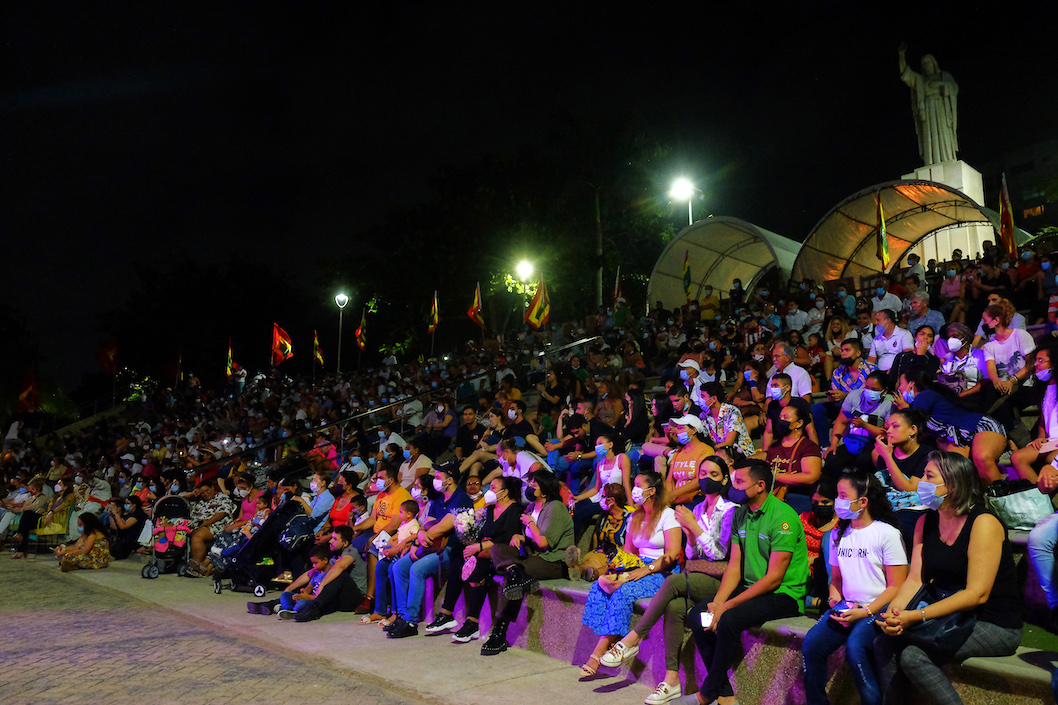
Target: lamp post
[[524, 270], [341, 300], [684, 189]]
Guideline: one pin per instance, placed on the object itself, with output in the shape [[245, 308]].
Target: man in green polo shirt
[[765, 579]]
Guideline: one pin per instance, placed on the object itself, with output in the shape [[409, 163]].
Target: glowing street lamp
[[342, 301], [524, 270], [683, 189]]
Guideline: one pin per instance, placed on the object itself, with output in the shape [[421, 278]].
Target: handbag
[[939, 635], [1018, 504], [297, 532]]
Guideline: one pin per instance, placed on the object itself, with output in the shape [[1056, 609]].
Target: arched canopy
[[720, 249], [843, 243]]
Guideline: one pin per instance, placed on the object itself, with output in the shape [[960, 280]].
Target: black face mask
[[530, 494], [847, 361], [710, 486], [823, 513], [738, 496], [337, 491], [781, 428], [988, 330]]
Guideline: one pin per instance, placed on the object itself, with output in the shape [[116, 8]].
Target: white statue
[[933, 103]]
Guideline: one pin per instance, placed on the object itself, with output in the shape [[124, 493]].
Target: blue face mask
[[951, 272], [880, 291], [908, 396], [175, 488], [685, 374], [600, 450], [879, 330], [80, 529], [748, 375], [407, 454], [927, 495], [764, 292], [1026, 255], [380, 485], [683, 437], [872, 396], [812, 296], [842, 294], [1045, 266]]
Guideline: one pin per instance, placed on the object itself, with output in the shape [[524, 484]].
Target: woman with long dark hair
[[869, 564]]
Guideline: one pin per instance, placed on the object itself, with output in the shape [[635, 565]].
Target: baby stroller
[[253, 566], [171, 532]]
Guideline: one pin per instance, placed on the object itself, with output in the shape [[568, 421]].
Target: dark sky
[[138, 133]]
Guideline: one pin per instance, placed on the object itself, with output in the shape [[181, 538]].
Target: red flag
[[281, 348], [361, 332], [29, 394], [475, 309], [1006, 222], [108, 356], [434, 317], [617, 287], [539, 311]]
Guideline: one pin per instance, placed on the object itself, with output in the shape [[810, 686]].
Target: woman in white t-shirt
[[869, 565], [654, 536], [1009, 351], [415, 464], [614, 468], [962, 365]]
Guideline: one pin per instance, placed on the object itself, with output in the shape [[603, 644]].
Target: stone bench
[[770, 672]]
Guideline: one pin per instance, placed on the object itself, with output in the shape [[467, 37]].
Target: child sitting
[[264, 508], [409, 522], [293, 599]]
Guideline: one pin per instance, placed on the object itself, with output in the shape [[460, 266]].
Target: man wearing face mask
[[883, 299], [922, 314], [889, 340], [782, 357], [796, 319], [861, 421], [384, 516], [765, 578], [851, 374], [691, 374], [779, 397]]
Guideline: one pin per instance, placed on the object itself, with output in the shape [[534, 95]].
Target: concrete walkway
[[431, 668]]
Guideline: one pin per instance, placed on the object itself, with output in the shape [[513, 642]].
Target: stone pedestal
[[968, 238]]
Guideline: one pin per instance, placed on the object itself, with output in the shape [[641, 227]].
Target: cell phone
[[843, 606], [1048, 446], [707, 619]]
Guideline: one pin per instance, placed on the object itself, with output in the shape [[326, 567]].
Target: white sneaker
[[663, 694]]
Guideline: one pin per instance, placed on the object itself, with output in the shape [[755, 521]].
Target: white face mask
[[416, 493], [438, 484], [606, 503], [490, 497], [511, 414], [1044, 375], [241, 492], [637, 495], [954, 344]]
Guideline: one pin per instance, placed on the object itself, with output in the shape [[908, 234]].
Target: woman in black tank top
[[960, 551]]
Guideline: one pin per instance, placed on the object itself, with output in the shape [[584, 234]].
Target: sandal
[[386, 621], [371, 618], [18, 555], [586, 671]]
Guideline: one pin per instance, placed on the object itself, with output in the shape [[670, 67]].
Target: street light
[[684, 189], [342, 300], [524, 269]]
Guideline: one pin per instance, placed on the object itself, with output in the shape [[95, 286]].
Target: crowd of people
[[822, 448]]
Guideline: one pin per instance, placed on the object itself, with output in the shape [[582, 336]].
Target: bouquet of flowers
[[468, 525]]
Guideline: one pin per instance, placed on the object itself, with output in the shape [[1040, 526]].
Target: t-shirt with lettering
[[862, 555], [773, 527]]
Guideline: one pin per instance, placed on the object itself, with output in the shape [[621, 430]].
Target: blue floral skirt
[[612, 614]]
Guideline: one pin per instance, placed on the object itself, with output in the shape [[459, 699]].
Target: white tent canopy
[[844, 243], [720, 249]]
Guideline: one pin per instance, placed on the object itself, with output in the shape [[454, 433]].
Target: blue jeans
[[409, 581], [383, 603], [286, 602], [823, 640], [1042, 540], [821, 417]]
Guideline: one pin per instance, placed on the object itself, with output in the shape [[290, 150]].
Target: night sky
[[138, 133]]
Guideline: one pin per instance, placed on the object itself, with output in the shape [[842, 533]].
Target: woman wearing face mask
[[963, 366], [661, 438], [1027, 459], [749, 395], [920, 355], [980, 437], [962, 554], [1008, 356], [901, 461], [610, 530], [211, 512], [836, 333], [415, 464], [795, 458], [610, 407], [486, 450], [681, 484], [654, 535], [952, 291], [861, 420], [128, 519], [340, 513], [708, 531], [817, 521], [322, 499], [502, 524], [614, 467], [869, 564], [245, 495], [91, 551], [43, 515], [516, 463]]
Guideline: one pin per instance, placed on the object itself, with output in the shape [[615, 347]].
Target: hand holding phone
[[707, 619]]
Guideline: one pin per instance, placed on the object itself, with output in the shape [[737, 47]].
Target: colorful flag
[[361, 332], [539, 310], [883, 239], [475, 309], [29, 396], [227, 367], [281, 348], [434, 318], [316, 352], [108, 356], [617, 287], [687, 274], [1006, 221]]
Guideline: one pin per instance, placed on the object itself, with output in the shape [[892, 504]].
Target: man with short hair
[[864, 330], [883, 298], [782, 356], [889, 341], [922, 315], [765, 579], [385, 516], [779, 396], [796, 319], [850, 375], [469, 434]]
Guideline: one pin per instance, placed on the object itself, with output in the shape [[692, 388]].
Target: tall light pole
[[684, 189], [342, 300]]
